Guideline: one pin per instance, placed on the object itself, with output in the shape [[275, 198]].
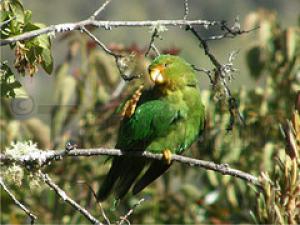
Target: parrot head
[[171, 73]]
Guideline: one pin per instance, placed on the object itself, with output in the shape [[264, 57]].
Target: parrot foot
[[167, 156]]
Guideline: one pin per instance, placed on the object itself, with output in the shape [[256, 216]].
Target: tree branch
[[66, 27], [62, 194], [49, 156], [223, 72], [18, 203]]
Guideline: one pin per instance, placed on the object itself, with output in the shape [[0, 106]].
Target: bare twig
[[62, 194], [102, 211], [204, 44], [119, 59], [186, 9], [66, 27], [221, 73], [103, 46], [206, 71], [230, 32], [153, 36], [17, 202], [125, 217], [59, 155], [98, 203], [229, 35], [155, 49], [98, 11], [118, 90]]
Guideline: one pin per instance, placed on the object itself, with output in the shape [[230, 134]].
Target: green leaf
[[253, 217], [28, 16], [8, 84], [15, 28], [33, 53], [44, 41], [4, 16], [30, 27], [47, 60], [18, 10], [4, 31]]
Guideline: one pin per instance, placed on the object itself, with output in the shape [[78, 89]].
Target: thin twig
[[206, 71], [98, 11], [153, 36], [118, 90], [230, 32], [66, 27], [59, 155], [62, 194], [18, 203], [222, 72], [103, 46], [155, 49], [229, 35], [125, 217], [204, 44], [102, 211], [98, 203], [186, 9], [119, 59]]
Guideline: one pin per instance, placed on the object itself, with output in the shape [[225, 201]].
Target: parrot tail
[[120, 177], [130, 172], [110, 179], [156, 169]]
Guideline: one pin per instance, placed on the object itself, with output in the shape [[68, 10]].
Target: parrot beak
[[156, 76]]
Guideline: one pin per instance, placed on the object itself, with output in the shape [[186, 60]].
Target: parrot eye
[[166, 65]]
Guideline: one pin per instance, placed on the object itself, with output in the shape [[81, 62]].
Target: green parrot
[[166, 118]]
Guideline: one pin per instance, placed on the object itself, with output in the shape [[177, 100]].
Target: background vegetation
[[76, 103]]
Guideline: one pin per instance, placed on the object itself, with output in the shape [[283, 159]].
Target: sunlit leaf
[[18, 10], [47, 60], [28, 15]]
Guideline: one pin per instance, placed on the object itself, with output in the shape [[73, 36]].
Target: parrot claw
[[167, 156]]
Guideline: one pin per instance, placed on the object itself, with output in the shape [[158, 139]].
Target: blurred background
[[74, 103], [74, 10]]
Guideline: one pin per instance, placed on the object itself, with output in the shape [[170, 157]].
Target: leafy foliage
[[8, 83], [15, 20]]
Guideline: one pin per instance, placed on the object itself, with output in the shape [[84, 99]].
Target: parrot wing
[[151, 119]]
